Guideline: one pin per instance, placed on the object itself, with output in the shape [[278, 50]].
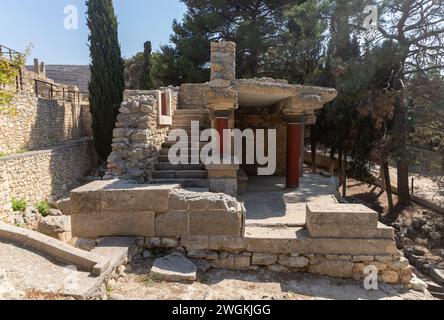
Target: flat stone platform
[[270, 204]]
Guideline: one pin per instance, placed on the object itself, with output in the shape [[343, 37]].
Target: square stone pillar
[[223, 178], [223, 61]]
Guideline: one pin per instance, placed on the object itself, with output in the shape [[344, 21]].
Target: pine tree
[[107, 73]]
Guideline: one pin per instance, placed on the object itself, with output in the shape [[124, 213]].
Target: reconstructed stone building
[[140, 141], [283, 224]]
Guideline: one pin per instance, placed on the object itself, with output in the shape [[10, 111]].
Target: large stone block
[[325, 220], [338, 269], [126, 196], [215, 223], [93, 226], [172, 224]]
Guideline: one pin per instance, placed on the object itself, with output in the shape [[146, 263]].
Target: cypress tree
[[107, 73], [146, 81]]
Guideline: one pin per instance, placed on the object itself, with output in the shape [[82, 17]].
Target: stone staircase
[[188, 175]]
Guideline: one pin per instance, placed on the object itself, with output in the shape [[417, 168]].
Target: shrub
[[19, 205], [43, 208]]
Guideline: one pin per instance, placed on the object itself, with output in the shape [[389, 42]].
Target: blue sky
[[41, 22]]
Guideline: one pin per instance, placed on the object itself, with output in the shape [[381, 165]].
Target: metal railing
[[8, 53], [51, 89]]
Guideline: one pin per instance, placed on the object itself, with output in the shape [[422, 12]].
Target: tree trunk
[[400, 132], [388, 185]]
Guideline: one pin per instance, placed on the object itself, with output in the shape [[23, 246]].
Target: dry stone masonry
[[139, 135], [33, 123], [42, 175]]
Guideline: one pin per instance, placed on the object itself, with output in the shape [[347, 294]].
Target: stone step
[[170, 167], [169, 144], [180, 174], [186, 183], [165, 159], [191, 112], [187, 127], [165, 151]]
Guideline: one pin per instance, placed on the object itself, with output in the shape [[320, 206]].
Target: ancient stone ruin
[[225, 214]]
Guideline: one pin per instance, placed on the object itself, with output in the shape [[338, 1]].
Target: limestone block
[[175, 268], [242, 262], [93, 226], [227, 262], [229, 244], [172, 224], [263, 259], [331, 268], [227, 186], [341, 221], [277, 268], [216, 223], [195, 243], [293, 262], [389, 276]]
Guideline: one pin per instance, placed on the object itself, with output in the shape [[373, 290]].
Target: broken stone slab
[[174, 268], [53, 226]]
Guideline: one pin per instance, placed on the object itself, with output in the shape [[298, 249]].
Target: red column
[[221, 125], [294, 134]]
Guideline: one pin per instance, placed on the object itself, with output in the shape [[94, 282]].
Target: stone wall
[[193, 96], [41, 175], [122, 208], [283, 255], [33, 123], [264, 118], [138, 136]]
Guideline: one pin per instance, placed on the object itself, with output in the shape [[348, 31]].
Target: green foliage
[[18, 205], [9, 70], [146, 81], [43, 208], [107, 73]]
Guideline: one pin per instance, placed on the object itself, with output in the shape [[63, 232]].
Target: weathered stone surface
[[277, 268], [93, 226], [55, 248], [84, 244], [216, 222], [339, 269], [55, 212], [399, 264], [224, 262], [175, 268], [363, 258], [294, 262], [418, 285], [171, 224], [263, 259], [341, 221], [53, 226], [378, 265], [242, 262], [437, 275], [389, 276]]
